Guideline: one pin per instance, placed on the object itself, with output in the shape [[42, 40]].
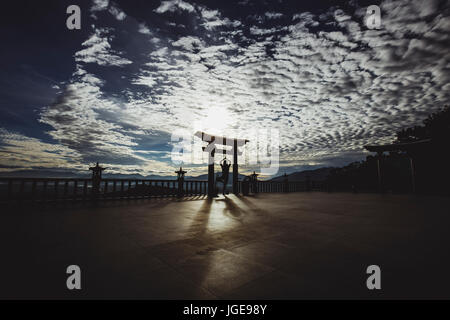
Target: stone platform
[[268, 246]]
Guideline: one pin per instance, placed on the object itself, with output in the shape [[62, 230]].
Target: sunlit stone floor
[[269, 246]]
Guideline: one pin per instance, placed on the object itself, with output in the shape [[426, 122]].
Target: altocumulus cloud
[[324, 80]]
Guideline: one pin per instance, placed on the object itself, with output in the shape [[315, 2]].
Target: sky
[[137, 72]]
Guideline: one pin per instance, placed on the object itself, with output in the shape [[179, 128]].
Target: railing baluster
[[33, 191], [66, 189], [151, 189], [144, 189], [136, 189], [55, 187], [22, 187], [75, 189], [44, 190], [10, 188], [105, 188], [85, 189]]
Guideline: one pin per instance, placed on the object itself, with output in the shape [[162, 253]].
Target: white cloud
[[20, 152], [273, 15], [97, 49], [117, 13], [143, 29], [173, 6], [99, 5], [188, 43]]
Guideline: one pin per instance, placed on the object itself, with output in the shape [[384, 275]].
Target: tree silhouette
[[396, 165], [436, 126]]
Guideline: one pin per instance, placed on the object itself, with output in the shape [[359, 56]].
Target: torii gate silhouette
[[211, 149]]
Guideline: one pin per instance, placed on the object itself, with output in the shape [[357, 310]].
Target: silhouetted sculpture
[[225, 164], [96, 179], [254, 182], [180, 176]]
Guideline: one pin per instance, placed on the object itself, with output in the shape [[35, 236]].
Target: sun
[[216, 121]]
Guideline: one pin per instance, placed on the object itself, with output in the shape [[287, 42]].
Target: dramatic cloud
[[21, 152], [99, 5], [98, 50], [117, 13], [174, 5], [323, 79]]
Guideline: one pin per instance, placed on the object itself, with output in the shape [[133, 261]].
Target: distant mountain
[[70, 174], [43, 174], [106, 175], [205, 176], [314, 175], [136, 176]]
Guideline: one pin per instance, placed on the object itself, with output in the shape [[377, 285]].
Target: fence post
[[286, 183], [254, 182], [308, 183], [180, 178], [96, 180], [84, 189], [33, 191], [56, 189], [10, 188]]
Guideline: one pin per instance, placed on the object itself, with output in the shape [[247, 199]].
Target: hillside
[[314, 175]]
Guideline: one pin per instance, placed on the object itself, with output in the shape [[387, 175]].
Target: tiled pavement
[[269, 246]]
